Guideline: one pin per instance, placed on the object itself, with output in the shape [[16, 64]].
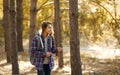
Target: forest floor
[[94, 62]]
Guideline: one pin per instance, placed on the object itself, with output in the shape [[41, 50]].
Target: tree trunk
[[33, 19], [74, 39], [14, 56], [6, 28], [58, 31], [19, 22]]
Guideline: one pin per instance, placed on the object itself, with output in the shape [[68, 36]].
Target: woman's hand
[[59, 49], [48, 54]]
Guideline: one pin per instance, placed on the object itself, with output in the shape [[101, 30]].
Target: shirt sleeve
[[38, 52], [54, 48]]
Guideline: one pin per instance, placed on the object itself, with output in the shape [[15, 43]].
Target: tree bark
[[6, 29], [33, 19], [19, 23], [14, 56], [58, 31], [74, 39]]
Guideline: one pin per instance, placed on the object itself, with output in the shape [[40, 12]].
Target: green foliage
[[26, 19], [1, 28], [96, 21], [46, 13]]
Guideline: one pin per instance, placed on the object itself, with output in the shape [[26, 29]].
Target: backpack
[[32, 56]]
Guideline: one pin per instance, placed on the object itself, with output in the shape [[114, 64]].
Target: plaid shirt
[[40, 52]]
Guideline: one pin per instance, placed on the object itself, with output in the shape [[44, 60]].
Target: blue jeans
[[46, 70]]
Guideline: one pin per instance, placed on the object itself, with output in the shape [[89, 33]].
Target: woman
[[44, 61]]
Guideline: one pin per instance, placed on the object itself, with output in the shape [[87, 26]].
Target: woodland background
[[98, 31]]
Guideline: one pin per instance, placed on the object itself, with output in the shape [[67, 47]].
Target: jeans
[[46, 70]]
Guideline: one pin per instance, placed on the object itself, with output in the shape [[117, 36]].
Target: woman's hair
[[44, 26]]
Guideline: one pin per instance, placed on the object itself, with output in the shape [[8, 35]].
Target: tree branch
[[42, 5], [108, 13], [46, 18], [45, 3]]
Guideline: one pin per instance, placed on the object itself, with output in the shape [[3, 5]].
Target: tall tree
[[6, 28], [58, 30], [19, 22], [74, 39], [33, 19], [14, 56]]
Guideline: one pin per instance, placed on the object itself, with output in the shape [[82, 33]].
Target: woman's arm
[[54, 48]]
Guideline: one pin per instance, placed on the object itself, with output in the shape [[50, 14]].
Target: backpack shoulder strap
[[40, 41]]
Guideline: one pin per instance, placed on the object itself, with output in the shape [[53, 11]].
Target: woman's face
[[49, 29]]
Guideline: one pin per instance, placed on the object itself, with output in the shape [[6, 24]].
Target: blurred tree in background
[[1, 28]]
